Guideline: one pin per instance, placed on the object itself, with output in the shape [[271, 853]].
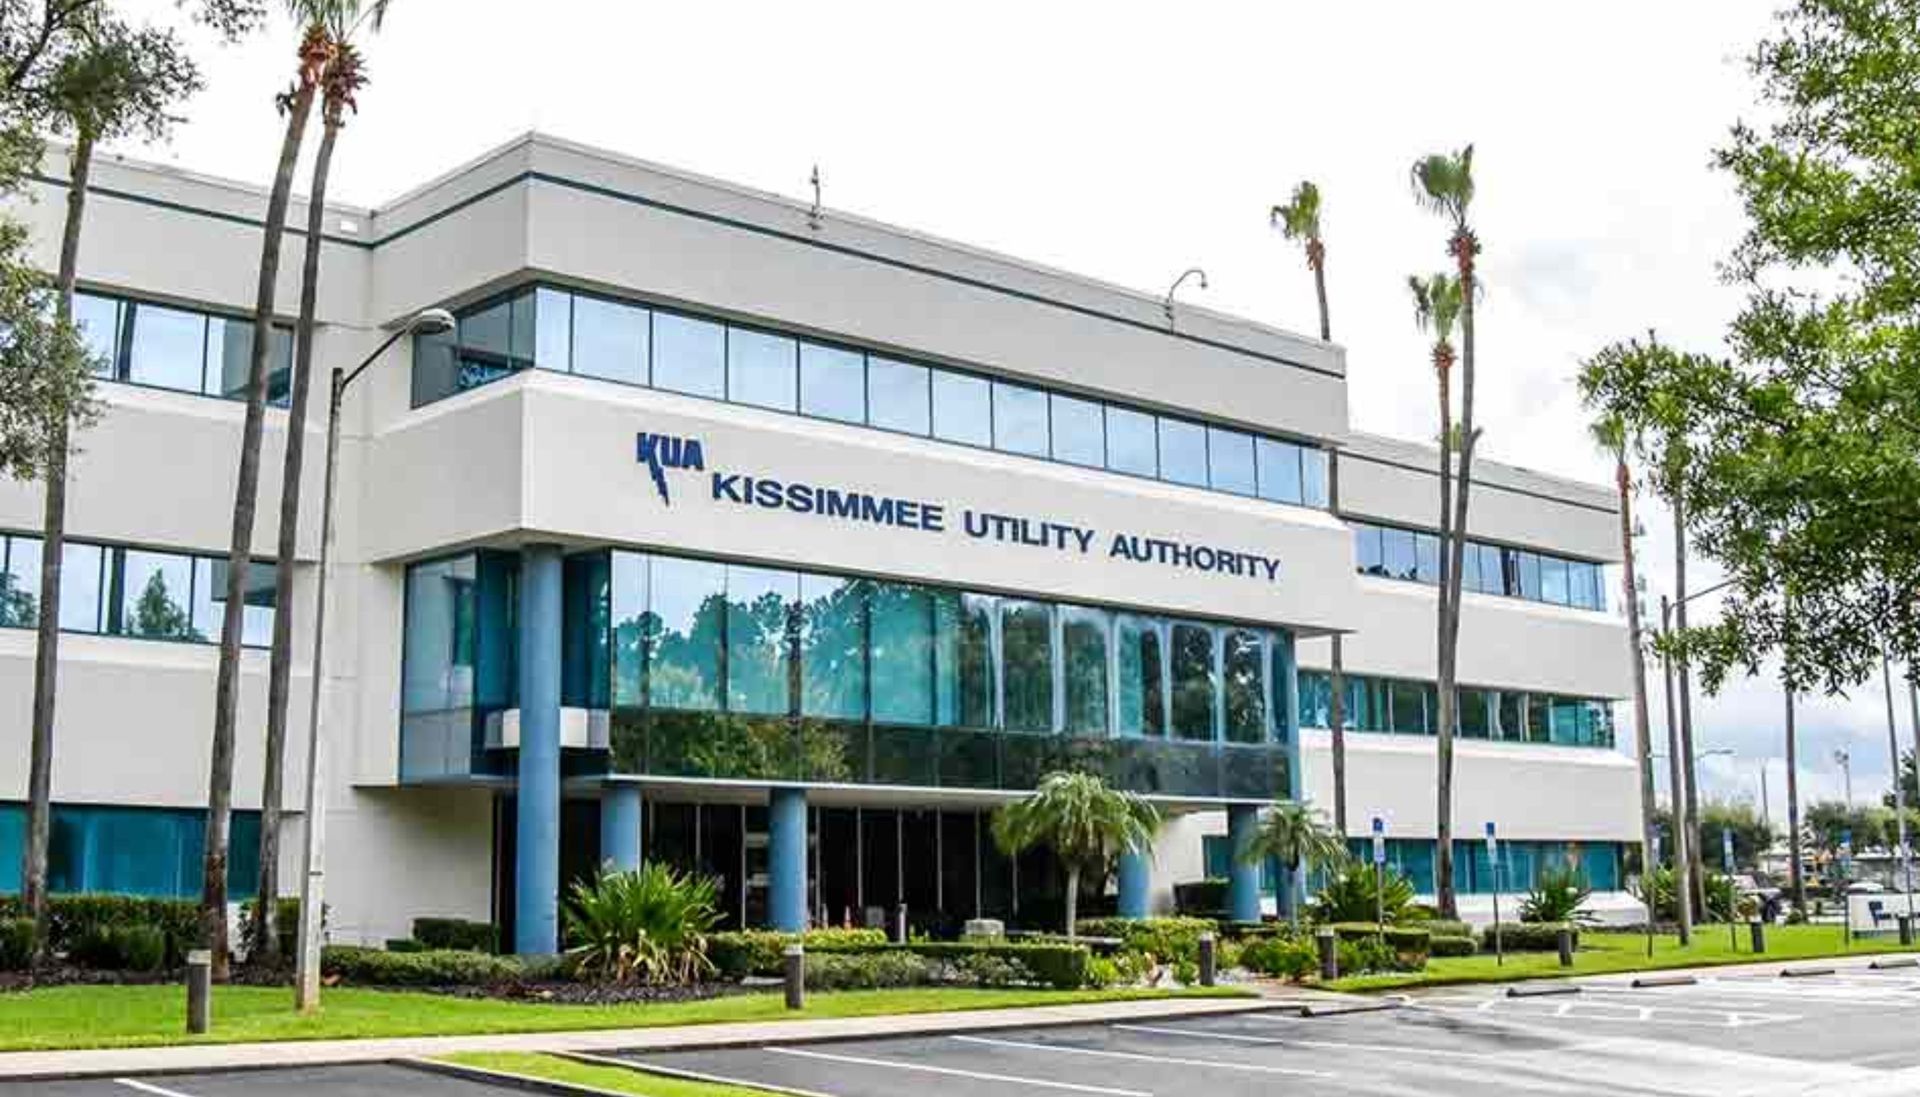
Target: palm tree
[[1300, 220], [297, 103], [1610, 433], [1674, 458], [1297, 836], [1082, 821], [114, 81], [340, 81], [1443, 183]]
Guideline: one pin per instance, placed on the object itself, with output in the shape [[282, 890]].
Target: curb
[[1542, 990]]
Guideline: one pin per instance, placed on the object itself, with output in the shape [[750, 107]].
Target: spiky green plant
[[1296, 835], [646, 926], [1082, 821]]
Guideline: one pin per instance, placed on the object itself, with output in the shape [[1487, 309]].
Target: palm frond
[[1437, 302], [1299, 219], [1443, 183]]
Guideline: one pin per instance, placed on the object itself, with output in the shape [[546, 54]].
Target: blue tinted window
[[1553, 581], [833, 646], [758, 654], [156, 596], [689, 355], [833, 383], [1426, 547], [762, 370], [1183, 452], [1279, 470], [437, 664], [1530, 586], [82, 587], [1140, 645], [966, 672], [1243, 663], [1195, 685], [1133, 442], [609, 340], [20, 583], [552, 329], [1019, 419], [962, 409], [897, 397], [903, 654], [230, 358], [1079, 431], [1027, 655], [169, 347], [1397, 553], [1368, 553], [1083, 658], [1230, 461], [1313, 474], [98, 319], [687, 602]]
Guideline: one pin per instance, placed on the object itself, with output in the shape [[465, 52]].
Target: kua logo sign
[[660, 452]]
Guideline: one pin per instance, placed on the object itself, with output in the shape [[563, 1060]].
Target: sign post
[[1493, 858], [1846, 901], [1733, 897], [1380, 875], [1646, 887]]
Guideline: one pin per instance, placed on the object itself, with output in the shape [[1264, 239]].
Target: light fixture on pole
[[306, 982], [1845, 761], [1167, 305]]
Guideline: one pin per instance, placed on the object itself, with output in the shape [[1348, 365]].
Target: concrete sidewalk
[[209, 1057]]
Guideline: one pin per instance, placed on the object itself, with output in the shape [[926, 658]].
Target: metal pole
[[1899, 783], [306, 983], [1682, 841]]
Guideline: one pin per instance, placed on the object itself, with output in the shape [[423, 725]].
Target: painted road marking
[[956, 1072], [1249, 1068], [1618, 1012], [149, 1087], [1325, 1045]]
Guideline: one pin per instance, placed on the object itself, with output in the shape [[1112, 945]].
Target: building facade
[[778, 544]]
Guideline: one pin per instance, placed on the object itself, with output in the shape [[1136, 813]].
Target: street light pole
[[1899, 785], [306, 983], [1677, 778]]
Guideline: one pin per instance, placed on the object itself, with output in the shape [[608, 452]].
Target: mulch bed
[[590, 994]]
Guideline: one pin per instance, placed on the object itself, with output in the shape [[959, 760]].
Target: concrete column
[[621, 811], [1243, 879], [536, 901], [1136, 884], [787, 859]]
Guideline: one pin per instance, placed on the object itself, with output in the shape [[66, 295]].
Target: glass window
[[1230, 461], [762, 369], [1513, 716], [1194, 685], [1026, 640], [758, 651], [169, 347], [687, 599], [1279, 470], [1313, 475], [1409, 707], [1019, 419], [1492, 574], [627, 595], [1132, 442], [1530, 576], [897, 396], [1539, 718], [833, 647], [609, 340], [1566, 721], [98, 319], [486, 345], [20, 583], [1367, 704], [1083, 641], [1368, 553], [553, 329], [965, 669], [81, 568], [256, 601], [1476, 714], [156, 592], [437, 664], [1243, 654], [903, 654], [1426, 548], [1553, 581], [1183, 452], [1316, 699], [1079, 431], [1397, 549], [1510, 572], [833, 383], [962, 408], [230, 357], [689, 355], [1139, 643]]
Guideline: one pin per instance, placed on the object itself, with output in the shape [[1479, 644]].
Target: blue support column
[[620, 823], [1243, 878], [1136, 884], [536, 900], [787, 859]]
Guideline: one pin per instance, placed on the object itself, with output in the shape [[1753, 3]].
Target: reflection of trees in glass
[[963, 640], [1142, 665], [18, 608], [1193, 684], [158, 616], [1026, 644], [629, 656], [1246, 700], [833, 676], [757, 651], [1084, 640], [684, 666]]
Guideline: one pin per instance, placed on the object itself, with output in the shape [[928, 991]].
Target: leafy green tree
[[1297, 836], [1443, 183], [157, 615], [1083, 821]]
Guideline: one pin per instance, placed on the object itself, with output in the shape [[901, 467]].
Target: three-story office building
[[778, 544]]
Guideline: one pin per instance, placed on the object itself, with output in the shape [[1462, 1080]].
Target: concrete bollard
[[1329, 955], [1564, 939], [793, 963], [900, 924], [199, 990], [1757, 936], [1206, 960], [1906, 928]]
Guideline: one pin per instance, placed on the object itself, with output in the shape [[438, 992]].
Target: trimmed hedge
[[431, 968], [1440, 927], [441, 934], [120, 948], [1281, 956], [736, 955], [70, 918], [16, 944], [1528, 937], [1411, 945], [1062, 967], [1447, 944], [867, 971], [1170, 940]]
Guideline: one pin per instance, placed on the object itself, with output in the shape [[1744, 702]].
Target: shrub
[[867, 970], [1448, 944], [1440, 927], [1558, 895], [1062, 967], [16, 944], [1409, 945], [648, 926], [1201, 898], [736, 955], [1528, 937], [1169, 940], [407, 944], [1281, 957], [1360, 955], [120, 948], [429, 968], [456, 933], [1655, 888], [71, 917], [1351, 896], [286, 922]]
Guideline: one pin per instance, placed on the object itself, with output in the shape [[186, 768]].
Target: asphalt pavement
[[357, 1080]]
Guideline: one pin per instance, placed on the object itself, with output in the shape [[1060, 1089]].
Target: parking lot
[[1851, 1032]]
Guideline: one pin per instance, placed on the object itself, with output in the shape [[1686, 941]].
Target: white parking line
[[1246, 1068], [149, 1087], [1607, 1011], [927, 1068], [1325, 1045]]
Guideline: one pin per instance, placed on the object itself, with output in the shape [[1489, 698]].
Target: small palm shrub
[[1283, 957], [1350, 895], [1655, 888], [1558, 895], [646, 926]]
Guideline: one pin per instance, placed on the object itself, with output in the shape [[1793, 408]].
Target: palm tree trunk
[[1073, 899], [1450, 575], [1688, 760], [1320, 291], [213, 884], [46, 663], [266, 938], [1443, 782], [1623, 477]]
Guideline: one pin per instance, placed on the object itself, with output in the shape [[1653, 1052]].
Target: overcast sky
[[1129, 142]]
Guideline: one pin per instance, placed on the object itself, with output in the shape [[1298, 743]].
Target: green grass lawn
[[1607, 953], [144, 1016], [612, 1079]]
